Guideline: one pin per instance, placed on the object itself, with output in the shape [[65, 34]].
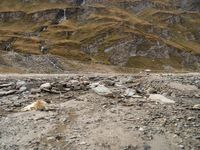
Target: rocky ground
[[97, 112]]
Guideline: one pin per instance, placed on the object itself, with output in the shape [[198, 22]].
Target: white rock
[[147, 70], [22, 89], [74, 82], [35, 91], [45, 86], [197, 106], [130, 92], [160, 98], [20, 83], [137, 96], [141, 129], [102, 90]]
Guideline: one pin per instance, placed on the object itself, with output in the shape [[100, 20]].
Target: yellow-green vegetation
[[156, 64], [6, 69], [103, 26], [27, 45]]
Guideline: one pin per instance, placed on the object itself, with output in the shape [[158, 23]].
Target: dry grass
[[4, 69], [15, 5]]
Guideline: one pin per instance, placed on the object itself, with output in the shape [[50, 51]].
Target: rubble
[[91, 111]]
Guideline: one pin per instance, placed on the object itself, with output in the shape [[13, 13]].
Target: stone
[[197, 95], [151, 91], [129, 92], [146, 147], [109, 82], [5, 93], [137, 96], [38, 105], [6, 85], [35, 91], [102, 90], [181, 146], [74, 82], [20, 84], [161, 99], [182, 87], [147, 70], [22, 89], [93, 85], [45, 86], [191, 118], [141, 129], [197, 107]]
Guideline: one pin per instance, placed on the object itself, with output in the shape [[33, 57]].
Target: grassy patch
[[156, 64]]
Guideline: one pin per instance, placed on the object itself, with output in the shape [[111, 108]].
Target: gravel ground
[[100, 112]]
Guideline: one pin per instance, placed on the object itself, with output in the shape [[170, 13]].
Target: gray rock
[[4, 93], [151, 91], [102, 90], [74, 82], [5, 85], [20, 84], [35, 91], [93, 85], [22, 89], [45, 86], [182, 87]]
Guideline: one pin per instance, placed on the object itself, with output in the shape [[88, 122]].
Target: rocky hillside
[[51, 34]]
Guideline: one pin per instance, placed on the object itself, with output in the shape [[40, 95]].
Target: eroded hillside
[[155, 34]]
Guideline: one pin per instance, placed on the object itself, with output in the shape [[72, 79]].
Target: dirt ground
[[121, 117]]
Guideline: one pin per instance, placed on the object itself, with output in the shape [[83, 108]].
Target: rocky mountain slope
[[155, 34], [102, 112]]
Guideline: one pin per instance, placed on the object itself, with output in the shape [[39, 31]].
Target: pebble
[[181, 146], [197, 106], [130, 92], [45, 86], [22, 89], [20, 84]]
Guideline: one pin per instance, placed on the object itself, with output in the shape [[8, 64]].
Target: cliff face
[[141, 34]]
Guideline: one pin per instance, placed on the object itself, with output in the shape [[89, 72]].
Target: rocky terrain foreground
[[100, 112]]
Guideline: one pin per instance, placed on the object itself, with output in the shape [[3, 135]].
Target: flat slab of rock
[[161, 99], [182, 87], [6, 85], [4, 93]]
